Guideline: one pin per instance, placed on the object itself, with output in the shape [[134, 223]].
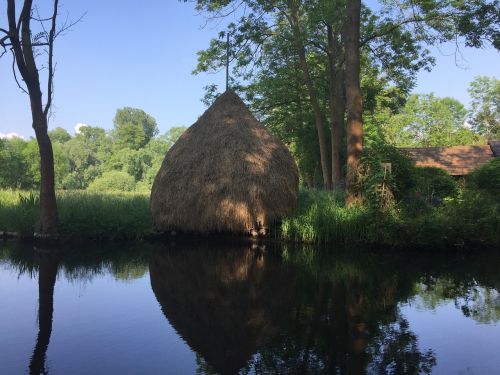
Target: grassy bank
[[471, 218], [81, 214]]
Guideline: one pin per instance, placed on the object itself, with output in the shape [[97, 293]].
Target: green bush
[[113, 181], [383, 187], [474, 217], [434, 182], [487, 177]]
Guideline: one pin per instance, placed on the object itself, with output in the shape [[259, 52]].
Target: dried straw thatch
[[226, 173]]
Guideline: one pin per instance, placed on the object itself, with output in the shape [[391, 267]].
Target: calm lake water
[[210, 308]]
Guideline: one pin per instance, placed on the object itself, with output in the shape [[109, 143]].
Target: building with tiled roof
[[456, 160]]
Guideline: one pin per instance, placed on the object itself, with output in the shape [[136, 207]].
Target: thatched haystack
[[226, 173], [226, 302]]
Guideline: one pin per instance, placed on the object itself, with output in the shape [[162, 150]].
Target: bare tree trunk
[[48, 207], [354, 101], [337, 108], [318, 118], [25, 60]]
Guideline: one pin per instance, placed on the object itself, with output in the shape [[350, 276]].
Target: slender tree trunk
[[337, 108], [26, 63], [318, 118], [354, 100], [48, 207]]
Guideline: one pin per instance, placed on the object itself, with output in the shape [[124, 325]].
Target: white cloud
[[79, 126], [10, 135]]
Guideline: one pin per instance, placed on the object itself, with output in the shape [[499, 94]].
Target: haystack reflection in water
[[226, 303], [241, 308]]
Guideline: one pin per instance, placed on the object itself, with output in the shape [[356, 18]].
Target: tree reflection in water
[[346, 320], [47, 273]]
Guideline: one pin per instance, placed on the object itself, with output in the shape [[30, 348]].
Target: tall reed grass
[[112, 215], [469, 219], [323, 217]]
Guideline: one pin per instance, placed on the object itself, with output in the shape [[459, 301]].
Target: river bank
[[470, 219]]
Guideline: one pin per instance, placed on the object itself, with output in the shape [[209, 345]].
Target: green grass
[[322, 217], [81, 214], [472, 218]]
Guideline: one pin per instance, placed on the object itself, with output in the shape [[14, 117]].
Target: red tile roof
[[456, 160]]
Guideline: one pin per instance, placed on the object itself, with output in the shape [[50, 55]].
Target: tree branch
[[14, 73], [14, 37], [50, 80]]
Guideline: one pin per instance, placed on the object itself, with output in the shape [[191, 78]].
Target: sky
[[141, 54]]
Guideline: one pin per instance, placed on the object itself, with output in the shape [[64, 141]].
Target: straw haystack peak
[[225, 173]]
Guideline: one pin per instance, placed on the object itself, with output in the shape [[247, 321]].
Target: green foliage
[[12, 162], [59, 135], [134, 128], [113, 181], [83, 158], [18, 211], [81, 214], [322, 217], [265, 51], [469, 218], [426, 120], [474, 217], [104, 215], [434, 182], [487, 178], [87, 151], [386, 175], [485, 112]]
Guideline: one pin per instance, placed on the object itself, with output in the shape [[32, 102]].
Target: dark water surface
[[226, 308]]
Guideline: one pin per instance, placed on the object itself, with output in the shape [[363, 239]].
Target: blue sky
[[141, 54]]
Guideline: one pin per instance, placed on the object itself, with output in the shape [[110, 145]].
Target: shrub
[[487, 177], [383, 187], [434, 182], [113, 181], [475, 217]]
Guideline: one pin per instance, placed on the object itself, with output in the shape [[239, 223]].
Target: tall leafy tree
[[134, 128], [427, 120], [87, 152], [59, 135], [12, 162], [485, 107], [354, 99], [308, 38]]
